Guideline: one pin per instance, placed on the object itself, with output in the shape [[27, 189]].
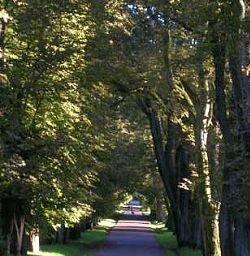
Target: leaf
[[3, 78], [4, 15]]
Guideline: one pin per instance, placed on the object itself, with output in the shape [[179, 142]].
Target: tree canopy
[[101, 99]]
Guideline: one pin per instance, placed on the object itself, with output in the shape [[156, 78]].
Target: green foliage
[[73, 140], [44, 126], [65, 144]]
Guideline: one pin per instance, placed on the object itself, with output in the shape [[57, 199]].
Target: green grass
[[90, 239], [167, 240], [169, 243], [73, 249], [189, 252]]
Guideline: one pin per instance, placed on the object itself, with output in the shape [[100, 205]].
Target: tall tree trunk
[[238, 58], [170, 148], [156, 131], [34, 241], [209, 208], [75, 232], [226, 217], [242, 235], [3, 22], [159, 203], [233, 232], [14, 225], [9, 238], [60, 235], [7, 222], [184, 198], [19, 228], [166, 155]]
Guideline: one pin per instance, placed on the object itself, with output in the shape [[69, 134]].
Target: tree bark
[[75, 232], [184, 199], [60, 235], [19, 228], [156, 131], [3, 23], [34, 241], [234, 239], [9, 238], [242, 235], [241, 90], [226, 217], [166, 154], [209, 208]]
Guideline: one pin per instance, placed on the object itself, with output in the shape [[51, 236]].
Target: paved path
[[131, 236]]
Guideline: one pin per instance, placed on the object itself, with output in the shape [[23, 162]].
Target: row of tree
[[84, 83], [68, 154], [186, 64]]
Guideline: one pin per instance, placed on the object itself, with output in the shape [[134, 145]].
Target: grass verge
[[168, 242], [90, 239]]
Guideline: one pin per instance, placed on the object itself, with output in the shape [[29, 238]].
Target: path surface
[[131, 236]]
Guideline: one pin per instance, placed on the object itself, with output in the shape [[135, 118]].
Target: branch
[[118, 102]]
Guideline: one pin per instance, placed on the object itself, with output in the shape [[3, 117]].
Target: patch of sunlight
[[107, 223], [46, 254], [157, 225]]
